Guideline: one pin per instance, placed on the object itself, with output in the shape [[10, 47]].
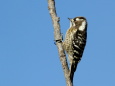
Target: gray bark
[[58, 39]]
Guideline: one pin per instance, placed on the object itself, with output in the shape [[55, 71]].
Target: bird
[[75, 42]]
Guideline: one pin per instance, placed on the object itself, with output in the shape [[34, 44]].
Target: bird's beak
[[69, 19]]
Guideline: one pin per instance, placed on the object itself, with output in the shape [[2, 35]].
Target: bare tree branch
[[58, 39]]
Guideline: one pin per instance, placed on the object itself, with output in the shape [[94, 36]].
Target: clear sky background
[[28, 56]]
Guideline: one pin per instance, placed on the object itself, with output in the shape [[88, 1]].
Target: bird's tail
[[73, 67]]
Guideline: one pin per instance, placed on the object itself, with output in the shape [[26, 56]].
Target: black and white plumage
[[75, 41]]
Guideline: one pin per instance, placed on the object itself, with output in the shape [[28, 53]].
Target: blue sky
[[28, 56]]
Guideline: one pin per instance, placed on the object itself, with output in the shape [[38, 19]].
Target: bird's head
[[79, 22]]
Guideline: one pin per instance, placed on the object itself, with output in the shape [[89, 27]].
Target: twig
[[58, 39]]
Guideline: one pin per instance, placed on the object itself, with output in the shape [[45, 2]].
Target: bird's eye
[[74, 19]]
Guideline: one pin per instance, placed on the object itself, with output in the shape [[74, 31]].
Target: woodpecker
[[75, 41]]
